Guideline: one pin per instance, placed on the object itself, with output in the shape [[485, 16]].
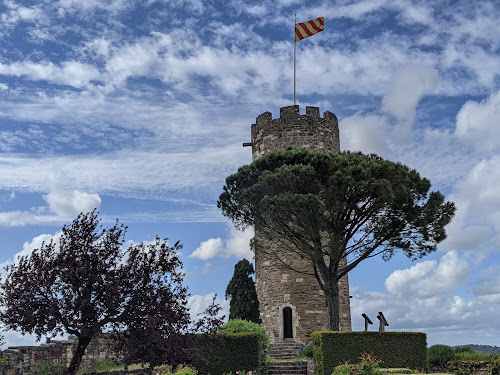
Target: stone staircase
[[283, 351]]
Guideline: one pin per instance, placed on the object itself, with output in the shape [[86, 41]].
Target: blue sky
[[139, 108]]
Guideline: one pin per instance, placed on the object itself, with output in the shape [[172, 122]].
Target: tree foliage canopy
[[241, 290], [330, 206], [89, 282]]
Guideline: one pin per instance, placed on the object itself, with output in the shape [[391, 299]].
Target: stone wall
[[277, 286], [22, 358]]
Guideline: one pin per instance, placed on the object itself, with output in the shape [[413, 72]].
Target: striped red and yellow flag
[[306, 29]]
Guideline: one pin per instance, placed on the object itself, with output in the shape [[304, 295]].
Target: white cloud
[[487, 286], [359, 9], [408, 86], [256, 10], [61, 204], [237, 244], [126, 171], [365, 133], [72, 73], [18, 13], [427, 279], [490, 298], [35, 243], [197, 304], [477, 198], [84, 8], [478, 123], [13, 338], [65, 203], [446, 319], [20, 218], [208, 249]]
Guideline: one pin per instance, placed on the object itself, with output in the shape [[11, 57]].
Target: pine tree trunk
[[76, 360], [332, 305]]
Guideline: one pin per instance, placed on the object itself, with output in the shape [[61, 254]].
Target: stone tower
[[292, 305]]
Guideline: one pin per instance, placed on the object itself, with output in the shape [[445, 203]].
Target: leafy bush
[[368, 365], [470, 367], [467, 356], [100, 366], [47, 364], [3, 358], [464, 349], [308, 350], [185, 370], [440, 354]]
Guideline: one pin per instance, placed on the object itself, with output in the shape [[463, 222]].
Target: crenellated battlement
[[293, 129]]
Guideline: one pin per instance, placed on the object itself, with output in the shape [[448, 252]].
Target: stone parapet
[[293, 129]]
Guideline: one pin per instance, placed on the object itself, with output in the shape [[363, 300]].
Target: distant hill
[[482, 348]]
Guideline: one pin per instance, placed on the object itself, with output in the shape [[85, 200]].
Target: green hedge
[[397, 349], [231, 352]]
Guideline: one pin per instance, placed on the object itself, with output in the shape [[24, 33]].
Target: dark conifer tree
[[241, 290]]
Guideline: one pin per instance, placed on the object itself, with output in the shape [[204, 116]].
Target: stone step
[[287, 344], [288, 368], [283, 350], [284, 355], [289, 364]]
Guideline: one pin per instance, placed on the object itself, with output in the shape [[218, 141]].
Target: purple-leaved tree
[[90, 283]]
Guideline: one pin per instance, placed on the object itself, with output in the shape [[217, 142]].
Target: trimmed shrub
[[396, 349], [231, 352], [240, 325], [439, 355]]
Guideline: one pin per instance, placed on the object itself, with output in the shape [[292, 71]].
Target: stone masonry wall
[[277, 286], [22, 358]]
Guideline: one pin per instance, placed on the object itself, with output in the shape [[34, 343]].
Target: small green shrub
[[467, 356], [368, 365], [464, 349], [101, 366], [46, 364], [3, 358], [185, 370], [440, 354], [308, 350], [468, 367]]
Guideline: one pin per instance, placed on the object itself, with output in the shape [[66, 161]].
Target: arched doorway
[[287, 323]]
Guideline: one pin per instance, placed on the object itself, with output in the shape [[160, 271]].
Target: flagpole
[[294, 57]]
